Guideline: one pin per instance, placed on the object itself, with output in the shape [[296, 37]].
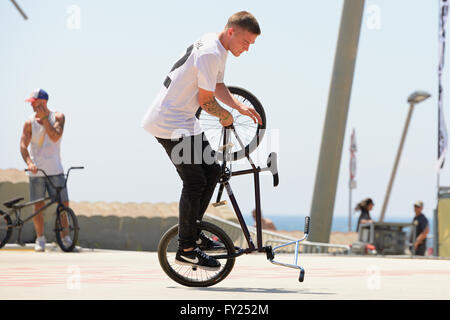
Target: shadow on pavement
[[256, 290]]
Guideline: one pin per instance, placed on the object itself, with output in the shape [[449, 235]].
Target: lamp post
[[415, 98], [19, 9]]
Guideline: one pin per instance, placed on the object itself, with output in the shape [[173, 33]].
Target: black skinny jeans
[[194, 162]]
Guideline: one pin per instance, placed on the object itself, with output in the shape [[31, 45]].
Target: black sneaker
[[197, 258], [207, 244]]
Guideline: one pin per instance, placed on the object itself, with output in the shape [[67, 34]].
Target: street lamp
[[418, 96], [415, 98]]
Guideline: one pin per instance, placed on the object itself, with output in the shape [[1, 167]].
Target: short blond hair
[[244, 20]]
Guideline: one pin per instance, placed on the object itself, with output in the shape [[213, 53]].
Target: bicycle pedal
[[220, 203]]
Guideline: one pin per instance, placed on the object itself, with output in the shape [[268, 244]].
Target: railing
[[273, 239]]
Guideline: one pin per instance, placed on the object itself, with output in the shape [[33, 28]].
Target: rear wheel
[[66, 229], [191, 276], [5, 228]]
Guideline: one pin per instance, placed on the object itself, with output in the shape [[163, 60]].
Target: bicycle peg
[[295, 265], [307, 222]]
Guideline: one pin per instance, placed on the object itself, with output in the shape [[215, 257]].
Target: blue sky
[[104, 75]]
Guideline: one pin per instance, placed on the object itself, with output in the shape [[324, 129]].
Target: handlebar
[[48, 178]]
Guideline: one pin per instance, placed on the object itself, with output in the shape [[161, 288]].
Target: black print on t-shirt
[[178, 64]]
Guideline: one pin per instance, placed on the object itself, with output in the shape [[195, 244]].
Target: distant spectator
[[266, 223], [422, 229], [364, 206], [42, 133]]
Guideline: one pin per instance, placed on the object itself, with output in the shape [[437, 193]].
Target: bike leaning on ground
[[66, 223]]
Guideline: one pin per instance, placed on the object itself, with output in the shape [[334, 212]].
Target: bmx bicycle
[[229, 144], [66, 223]]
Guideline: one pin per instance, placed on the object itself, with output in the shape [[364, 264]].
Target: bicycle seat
[[11, 203]]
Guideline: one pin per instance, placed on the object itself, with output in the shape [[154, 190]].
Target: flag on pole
[[442, 150], [353, 149]]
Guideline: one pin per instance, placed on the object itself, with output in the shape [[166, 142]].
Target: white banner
[[442, 127]]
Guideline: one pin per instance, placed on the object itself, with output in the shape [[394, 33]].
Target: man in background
[[43, 132], [422, 229]]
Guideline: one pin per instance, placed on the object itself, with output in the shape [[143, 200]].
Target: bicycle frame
[[17, 208], [224, 184]]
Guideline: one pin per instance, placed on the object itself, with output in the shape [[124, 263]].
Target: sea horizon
[[340, 223]]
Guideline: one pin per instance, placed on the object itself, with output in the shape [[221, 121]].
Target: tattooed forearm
[[214, 109]]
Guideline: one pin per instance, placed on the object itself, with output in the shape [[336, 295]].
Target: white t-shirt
[[172, 113]]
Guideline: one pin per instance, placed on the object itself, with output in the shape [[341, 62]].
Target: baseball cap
[[37, 94], [418, 203]]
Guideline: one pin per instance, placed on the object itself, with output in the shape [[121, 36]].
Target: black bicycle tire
[[9, 231], [58, 233], [205, 226], [256, 140]]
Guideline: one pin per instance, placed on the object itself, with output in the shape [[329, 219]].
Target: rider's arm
[[54, 131], [25, 140], [223, 94], [207, 76], [209, 103]]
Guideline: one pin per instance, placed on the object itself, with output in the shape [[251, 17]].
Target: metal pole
[[350, 206], [397, 159], [20, 10], [327, 173]]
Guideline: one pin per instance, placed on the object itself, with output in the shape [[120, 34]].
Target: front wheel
[[66, 229], [5, 228], [191, 276], [247, 135]]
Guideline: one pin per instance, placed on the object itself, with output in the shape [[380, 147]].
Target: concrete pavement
[[103, 274]]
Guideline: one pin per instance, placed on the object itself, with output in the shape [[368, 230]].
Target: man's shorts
[[39, 185]]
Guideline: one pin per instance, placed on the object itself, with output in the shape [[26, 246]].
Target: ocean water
[[339, 224]]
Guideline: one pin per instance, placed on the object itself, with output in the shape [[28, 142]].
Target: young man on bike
[[43, 132], [196, 80]]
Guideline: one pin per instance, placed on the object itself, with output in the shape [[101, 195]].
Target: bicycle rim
[[250, 134], [5, 228], [66, 224]]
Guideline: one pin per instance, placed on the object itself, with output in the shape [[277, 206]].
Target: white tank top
[[44, 153]]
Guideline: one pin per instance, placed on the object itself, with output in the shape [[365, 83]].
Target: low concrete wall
[[123, 233], [106, 232], [106, 225]]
